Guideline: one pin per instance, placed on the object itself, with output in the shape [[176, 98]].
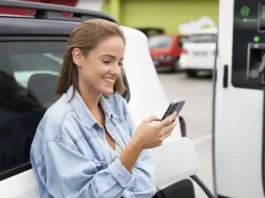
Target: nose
[[116, 70]]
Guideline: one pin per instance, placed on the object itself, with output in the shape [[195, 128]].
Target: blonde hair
[[86, 36]]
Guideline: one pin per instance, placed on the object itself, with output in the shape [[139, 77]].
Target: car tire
[[192, 73]]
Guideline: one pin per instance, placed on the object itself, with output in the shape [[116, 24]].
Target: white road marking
[[202, 139]]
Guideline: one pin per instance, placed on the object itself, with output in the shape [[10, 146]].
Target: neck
[[90, 97]]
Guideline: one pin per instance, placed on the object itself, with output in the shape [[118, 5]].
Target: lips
[[109, 80]]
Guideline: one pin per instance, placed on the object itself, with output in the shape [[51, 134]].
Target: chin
[[107, 92]]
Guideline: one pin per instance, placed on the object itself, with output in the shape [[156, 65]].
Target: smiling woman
[[86, 145], [95, 60]]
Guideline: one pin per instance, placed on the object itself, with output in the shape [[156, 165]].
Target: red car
[[165, 50]]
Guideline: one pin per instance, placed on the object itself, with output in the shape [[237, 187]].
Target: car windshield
[[202, 38], [162, 41]]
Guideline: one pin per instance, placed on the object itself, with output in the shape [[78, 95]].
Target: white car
[[198, 53], [31, 58]]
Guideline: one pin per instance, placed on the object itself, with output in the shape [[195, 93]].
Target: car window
[[162, 41], [27, 64], [201, 38], [28, 77]]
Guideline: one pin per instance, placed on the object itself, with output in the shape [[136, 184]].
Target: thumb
[[152, 118]]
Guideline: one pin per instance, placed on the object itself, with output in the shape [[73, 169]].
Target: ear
[[77, 57]]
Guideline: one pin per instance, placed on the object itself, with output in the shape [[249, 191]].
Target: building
[[166, 14]]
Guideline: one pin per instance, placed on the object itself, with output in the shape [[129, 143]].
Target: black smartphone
[[173, 106]]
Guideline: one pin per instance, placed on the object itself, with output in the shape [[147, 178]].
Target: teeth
[[109, 80]]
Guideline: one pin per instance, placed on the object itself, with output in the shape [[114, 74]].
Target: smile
[[110, 80]]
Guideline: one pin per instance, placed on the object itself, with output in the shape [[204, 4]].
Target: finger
[[169, 128], [169, 119], [167, 134], [152, 118]]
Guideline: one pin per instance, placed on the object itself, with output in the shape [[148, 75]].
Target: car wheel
[[191, 73], [175, 66]]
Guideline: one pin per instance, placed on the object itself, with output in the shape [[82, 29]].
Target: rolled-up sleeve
[[72, 175], [122, 176]]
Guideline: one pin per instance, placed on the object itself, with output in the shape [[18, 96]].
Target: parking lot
[[197, 92]]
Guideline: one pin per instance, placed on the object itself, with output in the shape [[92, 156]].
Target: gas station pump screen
[[248, 44]]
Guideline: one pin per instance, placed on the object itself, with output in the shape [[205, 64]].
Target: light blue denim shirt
[[72, 159]]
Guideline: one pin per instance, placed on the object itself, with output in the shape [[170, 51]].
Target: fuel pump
[[256, 73], [239, 101], [253, 41]]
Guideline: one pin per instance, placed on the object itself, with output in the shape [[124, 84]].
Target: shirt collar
[[106, 107], [83, 112]]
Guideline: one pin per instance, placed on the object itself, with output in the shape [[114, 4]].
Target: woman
[[86, 145]]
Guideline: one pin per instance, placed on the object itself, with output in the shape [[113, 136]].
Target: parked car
[[198, 53], [165, 50], [31, 51]]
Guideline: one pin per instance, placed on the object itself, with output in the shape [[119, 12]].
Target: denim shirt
[[71, 158]]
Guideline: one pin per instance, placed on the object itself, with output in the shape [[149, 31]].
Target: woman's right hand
[[151, 132]]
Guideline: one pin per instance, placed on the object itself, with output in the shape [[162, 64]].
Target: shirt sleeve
[[144, 168], [71, 174]]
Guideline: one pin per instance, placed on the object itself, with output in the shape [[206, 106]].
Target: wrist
[[137, 144]]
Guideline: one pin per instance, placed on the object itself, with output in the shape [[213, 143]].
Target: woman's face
[[99, 70]]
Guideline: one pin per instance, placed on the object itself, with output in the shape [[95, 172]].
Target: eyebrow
[[111, 56]]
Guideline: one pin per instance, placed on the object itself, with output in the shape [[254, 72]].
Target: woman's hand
[[151, 132]]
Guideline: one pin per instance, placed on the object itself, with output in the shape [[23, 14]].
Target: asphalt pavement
[[197, 112]]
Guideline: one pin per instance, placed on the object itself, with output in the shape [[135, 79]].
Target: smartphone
[[173, 106]]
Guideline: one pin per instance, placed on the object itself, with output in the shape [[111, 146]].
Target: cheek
[[90, 69], [86, 72], [87, 75]]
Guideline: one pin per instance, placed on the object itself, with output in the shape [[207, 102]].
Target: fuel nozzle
[[261, 71], [258, 71]]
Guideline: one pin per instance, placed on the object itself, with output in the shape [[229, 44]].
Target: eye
[[120, 64], [106, 61]]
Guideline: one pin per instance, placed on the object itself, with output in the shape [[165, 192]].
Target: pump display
[[248, 44]]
